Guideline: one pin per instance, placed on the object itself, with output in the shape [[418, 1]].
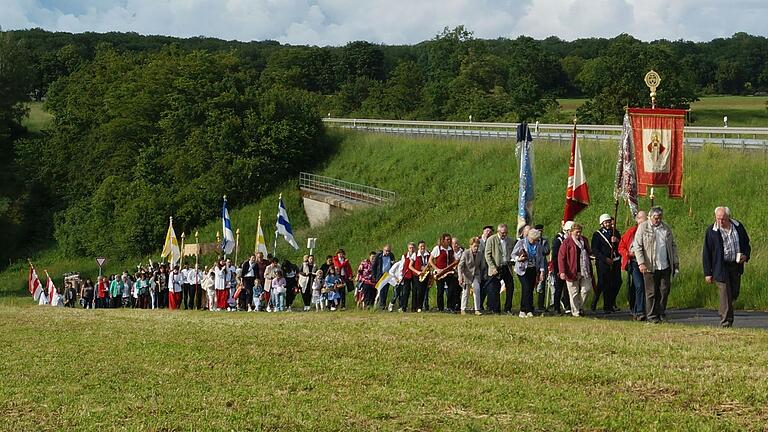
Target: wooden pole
[[237, 244], [183, 236], [197, 255], [218, 241]]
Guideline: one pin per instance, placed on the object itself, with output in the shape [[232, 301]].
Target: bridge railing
[[752, 138], [344, 189]]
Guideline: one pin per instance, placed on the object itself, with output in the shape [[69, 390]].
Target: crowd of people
[[554, 276]]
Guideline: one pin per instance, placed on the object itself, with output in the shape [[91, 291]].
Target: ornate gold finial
[[652, 80]]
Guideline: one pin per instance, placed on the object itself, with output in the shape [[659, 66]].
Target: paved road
[[706, 317]]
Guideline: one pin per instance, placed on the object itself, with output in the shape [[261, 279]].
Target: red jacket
[[347, 267], [567, 257], [625, 246]]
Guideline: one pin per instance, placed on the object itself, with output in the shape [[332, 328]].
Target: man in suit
[[726, 249], [498, 254], [605, 247], [381, 264]]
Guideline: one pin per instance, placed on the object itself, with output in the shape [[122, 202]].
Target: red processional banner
[[658, 138]]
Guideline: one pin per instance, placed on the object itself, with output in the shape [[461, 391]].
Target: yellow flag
[[261, 245], [171, 246]]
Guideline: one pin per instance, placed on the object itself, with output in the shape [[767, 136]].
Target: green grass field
[[742, 111], [38, 118], [162, 371]]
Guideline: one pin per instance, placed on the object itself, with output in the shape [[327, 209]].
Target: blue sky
[[336, 22]]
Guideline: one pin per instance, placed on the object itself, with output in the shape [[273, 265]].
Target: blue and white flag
[[228, 240], [526, 194], [284, 225]]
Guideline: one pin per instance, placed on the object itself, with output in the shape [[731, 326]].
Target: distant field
[[709, 111], [38, 119], [175, 370]]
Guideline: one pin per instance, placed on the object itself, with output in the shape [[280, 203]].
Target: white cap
[[605, 217], [567, 225]]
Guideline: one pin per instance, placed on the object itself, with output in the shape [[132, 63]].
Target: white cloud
[[336, 22]]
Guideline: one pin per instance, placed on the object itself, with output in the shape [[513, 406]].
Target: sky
[[336, 22]]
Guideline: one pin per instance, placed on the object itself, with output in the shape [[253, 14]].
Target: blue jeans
[[639, 286], [281, 301]]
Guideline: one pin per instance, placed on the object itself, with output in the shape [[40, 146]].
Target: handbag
[[350, 285]]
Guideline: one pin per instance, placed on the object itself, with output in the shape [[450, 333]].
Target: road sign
[[100, 261]]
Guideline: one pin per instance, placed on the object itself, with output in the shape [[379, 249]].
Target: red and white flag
[[35, 287], [577, 192], [53, 294], [658, 139]]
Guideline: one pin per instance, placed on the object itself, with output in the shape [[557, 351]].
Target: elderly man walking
[[498, 257], [656, 253], [726, 249]]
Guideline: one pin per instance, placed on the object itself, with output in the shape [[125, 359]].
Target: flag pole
[[274, 246], [237, 244], [197, 256], [181, 260], [256, 243]]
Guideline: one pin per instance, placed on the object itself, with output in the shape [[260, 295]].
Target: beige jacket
[[644, 246], [493, 253], [471, 266]]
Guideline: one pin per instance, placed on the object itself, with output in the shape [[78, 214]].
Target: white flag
[[284, 225], [228, 242]]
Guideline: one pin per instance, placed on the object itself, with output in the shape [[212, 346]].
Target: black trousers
[[188, 296], [369, 294], [608, 284], [483, 293], [290, 292], [492, 288], [408, 286], [450, 286], [162, 301], [561, 294], [527, 285], [419, 291], [442, 288], [509, 282], [306, 294]]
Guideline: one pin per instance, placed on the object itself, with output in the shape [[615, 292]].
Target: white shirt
[[220, 280], [504, 257], [251, 269], [174, 282], [662, 258]]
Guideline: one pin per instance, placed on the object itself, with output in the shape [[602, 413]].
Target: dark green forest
[[147, 126]]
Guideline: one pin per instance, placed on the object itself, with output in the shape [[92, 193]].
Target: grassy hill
[[446, 185]]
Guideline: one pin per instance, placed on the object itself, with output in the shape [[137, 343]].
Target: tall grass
[[454, 186]]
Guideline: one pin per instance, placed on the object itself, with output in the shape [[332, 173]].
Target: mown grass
[[160, 370], [458, 187]]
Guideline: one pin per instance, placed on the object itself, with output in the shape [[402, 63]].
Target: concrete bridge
[[325, 197]]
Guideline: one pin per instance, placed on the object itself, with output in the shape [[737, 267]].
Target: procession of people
[[471, 280]]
